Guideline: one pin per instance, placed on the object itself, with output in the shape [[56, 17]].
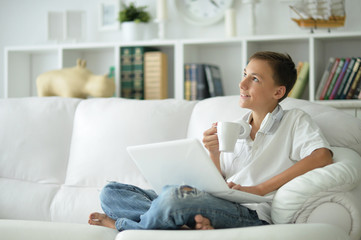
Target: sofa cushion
[[212, 110], [26, 200], [19, 230], [35, 139], [339, 128], [269, 232], [103, 128], [34, 151]]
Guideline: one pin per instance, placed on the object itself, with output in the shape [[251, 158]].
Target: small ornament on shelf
[[230, 23], [252, 20], [162, 16], [66, 26], [315, 14]]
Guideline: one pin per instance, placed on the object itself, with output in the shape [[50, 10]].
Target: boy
[[282, 145]]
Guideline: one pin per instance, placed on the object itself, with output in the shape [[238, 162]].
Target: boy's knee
[[108, 190], [173, 196]]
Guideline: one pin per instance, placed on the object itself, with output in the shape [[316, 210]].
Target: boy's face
[[258, 90]]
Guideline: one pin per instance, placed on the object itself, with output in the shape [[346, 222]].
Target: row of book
[[202, 81], [143, 73], [303, 69], [340, 80]]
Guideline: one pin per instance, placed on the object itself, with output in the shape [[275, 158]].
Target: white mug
[[229, 132]]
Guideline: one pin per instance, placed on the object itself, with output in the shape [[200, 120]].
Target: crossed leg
[[101, 219]]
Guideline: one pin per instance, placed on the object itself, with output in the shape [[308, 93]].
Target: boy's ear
[[280, 92]]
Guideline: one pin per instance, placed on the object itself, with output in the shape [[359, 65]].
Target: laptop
[[185, 162]]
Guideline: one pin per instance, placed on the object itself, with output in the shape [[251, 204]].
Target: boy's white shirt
[[284, 138]]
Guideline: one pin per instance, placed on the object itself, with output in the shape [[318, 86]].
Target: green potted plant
[[133, 20]]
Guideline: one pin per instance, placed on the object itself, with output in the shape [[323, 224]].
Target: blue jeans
[[134, 208]]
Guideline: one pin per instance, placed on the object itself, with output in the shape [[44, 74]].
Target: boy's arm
[[318, 158]]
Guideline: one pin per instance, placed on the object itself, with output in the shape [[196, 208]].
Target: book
[[353, 81], [202, 81], [196, 84], [132, 71], [301, 82], [138, 70], [193, 81], [324, 77], [346, 78], [356, 86], [202, 89], [187, 82], [339, 79], [329, 79], [126, 72], [155, 75], [357, 93], [214, 80], [298, 69], [334, 79]]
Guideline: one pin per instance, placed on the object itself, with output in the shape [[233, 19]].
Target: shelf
[[354, 103], [231, 54]]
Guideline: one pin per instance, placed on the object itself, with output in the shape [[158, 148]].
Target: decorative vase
[[132, 31]]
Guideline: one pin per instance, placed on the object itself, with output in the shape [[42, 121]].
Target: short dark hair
[[284, 69]]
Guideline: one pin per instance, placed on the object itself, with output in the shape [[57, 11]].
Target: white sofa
[[57, 153]]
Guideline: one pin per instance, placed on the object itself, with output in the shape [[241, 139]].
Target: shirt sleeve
[[307, 137]]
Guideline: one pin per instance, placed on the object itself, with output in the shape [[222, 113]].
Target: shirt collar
[[271, 122]]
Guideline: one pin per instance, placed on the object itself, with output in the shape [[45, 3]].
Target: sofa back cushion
[[34, 150], [213, 110], [339, 128], [103, 128]]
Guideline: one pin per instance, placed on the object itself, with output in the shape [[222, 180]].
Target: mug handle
[[246, 130]]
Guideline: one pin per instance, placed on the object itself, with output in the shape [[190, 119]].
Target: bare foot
[[202, 223], [101, 219]]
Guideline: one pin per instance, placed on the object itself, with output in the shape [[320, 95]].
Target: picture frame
[[108, 15], [66, 26]]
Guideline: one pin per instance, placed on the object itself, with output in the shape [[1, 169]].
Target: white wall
[[24, 22]]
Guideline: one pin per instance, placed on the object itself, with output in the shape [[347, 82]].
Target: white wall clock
[[203, 12]]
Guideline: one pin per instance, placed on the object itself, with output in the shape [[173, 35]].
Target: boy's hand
[[250, 189], [210, 140]]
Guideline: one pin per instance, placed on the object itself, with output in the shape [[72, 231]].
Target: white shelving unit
[[24, 63]]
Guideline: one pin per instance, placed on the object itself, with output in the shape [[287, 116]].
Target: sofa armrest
[[297, 200]]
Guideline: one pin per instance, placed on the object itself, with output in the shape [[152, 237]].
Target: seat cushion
[[20, 230]]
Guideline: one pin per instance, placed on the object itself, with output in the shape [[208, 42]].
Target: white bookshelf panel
[[230, 54], [98, 60], [24, 67], [297, 48]]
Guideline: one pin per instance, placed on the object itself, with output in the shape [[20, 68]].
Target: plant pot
[[132, 31]]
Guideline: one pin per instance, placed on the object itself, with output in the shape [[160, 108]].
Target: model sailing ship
[[320, 13]]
